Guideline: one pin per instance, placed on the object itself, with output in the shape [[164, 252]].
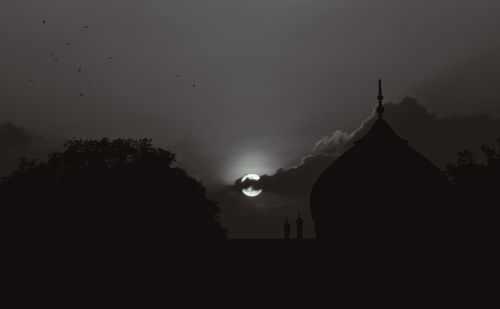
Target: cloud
[[440, 138], [467, 86], [338, 140], [17, 142]]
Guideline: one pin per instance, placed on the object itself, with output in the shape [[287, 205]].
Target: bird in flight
[[79, 69], [85, 27], [110, 57], [68, 43], [55, 60], [43, 21], [194, 85], [81, 94], [178, 76]]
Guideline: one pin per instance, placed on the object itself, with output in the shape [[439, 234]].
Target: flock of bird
[[56, 60], [79, 69]]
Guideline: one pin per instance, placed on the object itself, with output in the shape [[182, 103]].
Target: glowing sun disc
[[251, 191]]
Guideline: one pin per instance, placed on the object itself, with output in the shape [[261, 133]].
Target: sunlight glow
[[251, 191]]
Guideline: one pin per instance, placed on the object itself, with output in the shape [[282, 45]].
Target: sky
[[236, 87]]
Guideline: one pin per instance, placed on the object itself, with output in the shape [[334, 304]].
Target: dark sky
[[271, 78]]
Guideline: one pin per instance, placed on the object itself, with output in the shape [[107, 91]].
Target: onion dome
[[380, 188]]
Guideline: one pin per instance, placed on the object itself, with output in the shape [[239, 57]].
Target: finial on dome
[[380, 98]]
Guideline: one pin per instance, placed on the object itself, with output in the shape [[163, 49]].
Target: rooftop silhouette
[[379, 189]]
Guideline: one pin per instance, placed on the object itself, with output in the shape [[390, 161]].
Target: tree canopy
[[107, 191]]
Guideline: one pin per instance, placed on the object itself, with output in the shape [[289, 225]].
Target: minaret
[[380, 98], [286, 228], [299, 223]]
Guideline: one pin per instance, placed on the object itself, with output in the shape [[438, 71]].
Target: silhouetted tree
[[107, 191], [475, 192]]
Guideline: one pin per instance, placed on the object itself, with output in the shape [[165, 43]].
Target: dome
[[379, 188]]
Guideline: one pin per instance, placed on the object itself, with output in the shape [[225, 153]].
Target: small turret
[[299, 224], [286, 228]]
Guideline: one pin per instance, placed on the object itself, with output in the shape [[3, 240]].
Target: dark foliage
[[475, 192], [104, 191]]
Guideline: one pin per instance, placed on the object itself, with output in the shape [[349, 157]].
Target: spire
[[286, 228], [299, 224], [380, 98]]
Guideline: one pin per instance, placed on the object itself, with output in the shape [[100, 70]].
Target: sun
[[251, 191]]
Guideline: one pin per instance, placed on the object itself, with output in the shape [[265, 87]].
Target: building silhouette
[[381, 189], [299, 224]]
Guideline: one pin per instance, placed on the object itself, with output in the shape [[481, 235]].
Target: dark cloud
[[467, 86], [440, 138], [17, 142]]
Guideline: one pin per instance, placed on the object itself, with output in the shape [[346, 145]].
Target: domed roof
[[380, 185]]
